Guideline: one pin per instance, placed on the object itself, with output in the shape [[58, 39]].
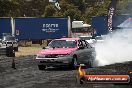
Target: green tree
[[75, 14], [49, 11], [124, 7], [76, 9]]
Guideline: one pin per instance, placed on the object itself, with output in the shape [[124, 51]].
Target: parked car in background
[[9, 40], [89, 39], [66, 52]]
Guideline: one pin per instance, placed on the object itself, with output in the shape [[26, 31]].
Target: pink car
[[66, 52]]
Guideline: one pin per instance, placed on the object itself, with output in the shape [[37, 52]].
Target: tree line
[[76, 9]]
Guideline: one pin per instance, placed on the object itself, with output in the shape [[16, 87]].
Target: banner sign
[[111, 12], [110, 15]]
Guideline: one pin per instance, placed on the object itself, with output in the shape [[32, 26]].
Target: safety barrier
[[7, 51], [10, 52], [2, 51]]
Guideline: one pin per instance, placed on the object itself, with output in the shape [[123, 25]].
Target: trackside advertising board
[[99, 24], [41, 28], [122, 21], [5, 26]]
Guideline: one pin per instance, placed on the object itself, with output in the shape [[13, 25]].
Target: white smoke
[[116, 48]]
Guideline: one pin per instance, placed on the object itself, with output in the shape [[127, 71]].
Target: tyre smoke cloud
[[116, 47]]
